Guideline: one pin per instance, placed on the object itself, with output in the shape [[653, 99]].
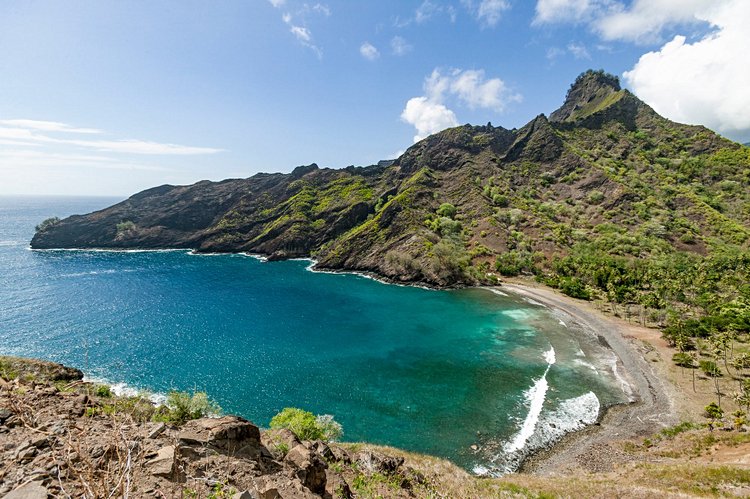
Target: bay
[[429, 371]]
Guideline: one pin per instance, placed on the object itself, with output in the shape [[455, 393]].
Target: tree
[[713, 413], [306, 425]]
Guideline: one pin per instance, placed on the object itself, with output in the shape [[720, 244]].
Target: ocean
[[477, 376]]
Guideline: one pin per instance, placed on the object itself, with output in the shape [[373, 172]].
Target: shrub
[[306, 425], [182, 407], [683, 359], [710, 368], [125, 226], [574, 287], [447, 210], [102, 391]]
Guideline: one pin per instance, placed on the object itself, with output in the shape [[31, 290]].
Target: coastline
[[655, 406]]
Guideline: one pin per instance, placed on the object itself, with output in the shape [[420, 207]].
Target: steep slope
[[467, 203]]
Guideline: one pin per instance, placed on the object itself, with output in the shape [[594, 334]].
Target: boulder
[[274, 440], [308, 468], [228, 435]]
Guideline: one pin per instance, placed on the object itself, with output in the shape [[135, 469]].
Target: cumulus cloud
[[400, 46], [704, 82], [369, 51], [429, 114]]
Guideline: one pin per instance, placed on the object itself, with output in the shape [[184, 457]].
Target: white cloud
[[400, 46], [429, 114], [471, 87], [640, 21], [579, 50], [277, 3], [425, 11], [705, 82], [488, 12], [645, 20], [369, 51], [48, 126], [302, 34], [27, 132], [427, 117]]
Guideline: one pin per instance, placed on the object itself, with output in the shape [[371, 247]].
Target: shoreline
[[653, 409]]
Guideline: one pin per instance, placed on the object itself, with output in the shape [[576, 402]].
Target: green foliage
[[182, 407], [102, 391], [306, 425], [682, 427], [125, 226], [683, 359], [514, 262], [710, 368], [713, 413], [446, 210], [47, 223], [574, 287]]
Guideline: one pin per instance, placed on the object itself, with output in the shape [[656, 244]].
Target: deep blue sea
[[429, 371]]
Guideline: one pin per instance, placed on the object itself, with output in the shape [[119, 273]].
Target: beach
[[656, 403]]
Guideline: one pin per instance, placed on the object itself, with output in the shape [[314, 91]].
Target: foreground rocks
[[58, 439]]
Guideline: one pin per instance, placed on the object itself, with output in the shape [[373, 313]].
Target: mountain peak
[[591, 92]]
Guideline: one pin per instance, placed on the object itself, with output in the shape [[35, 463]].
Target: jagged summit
[[591, 92]]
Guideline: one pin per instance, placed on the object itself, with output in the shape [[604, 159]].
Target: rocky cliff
[[604, 169]]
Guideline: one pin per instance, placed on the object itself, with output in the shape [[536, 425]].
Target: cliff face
[[453, 203]]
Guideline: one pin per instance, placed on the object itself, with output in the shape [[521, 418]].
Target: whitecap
[[497, 292], [535, 397]]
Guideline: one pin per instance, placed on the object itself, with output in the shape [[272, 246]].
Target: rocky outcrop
[[64, 444]]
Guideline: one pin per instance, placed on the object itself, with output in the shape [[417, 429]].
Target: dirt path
[[656, 399]]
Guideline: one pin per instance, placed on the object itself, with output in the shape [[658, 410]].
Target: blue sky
[[112, 97]]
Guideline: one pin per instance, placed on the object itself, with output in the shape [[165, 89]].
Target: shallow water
[[428, 371]]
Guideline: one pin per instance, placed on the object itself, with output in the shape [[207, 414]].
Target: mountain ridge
[[603, 159]]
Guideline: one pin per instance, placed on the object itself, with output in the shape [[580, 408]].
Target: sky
[[107, 97]]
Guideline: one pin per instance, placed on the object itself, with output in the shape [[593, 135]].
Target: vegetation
[[306, 425], [182, 407], [47, 223]]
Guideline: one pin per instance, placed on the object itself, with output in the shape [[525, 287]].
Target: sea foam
[[535, 397]]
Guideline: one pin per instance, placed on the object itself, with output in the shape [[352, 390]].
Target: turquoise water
[[429, 371]]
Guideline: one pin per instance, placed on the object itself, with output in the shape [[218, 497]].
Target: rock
[[308, 467], [29, 491], [336, 486], [340, 455], [229, 435], [157, 430], [4, 414], [322, 449], [273, 438], [163, 464], [26, 455], [246, 494], [377, 462]]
